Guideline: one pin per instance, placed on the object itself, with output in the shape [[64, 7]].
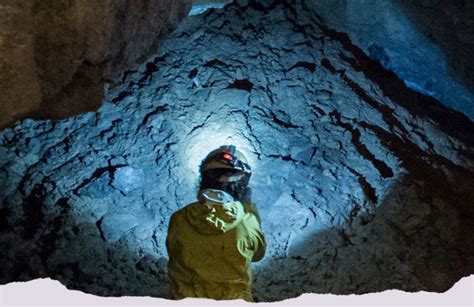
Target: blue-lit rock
[[427, 43], [127, 179], [362, 184]]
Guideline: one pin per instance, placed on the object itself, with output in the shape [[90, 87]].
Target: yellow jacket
[[211, 244]]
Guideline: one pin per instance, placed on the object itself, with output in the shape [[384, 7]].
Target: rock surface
[[449, 24], [201, 6], [428, 43], [56, 55], [362, 183]]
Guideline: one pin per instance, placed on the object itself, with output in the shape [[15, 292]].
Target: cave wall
[[201, 6], [427, 43], [362, 183], [55, 56], [449, 24], [55, 64]]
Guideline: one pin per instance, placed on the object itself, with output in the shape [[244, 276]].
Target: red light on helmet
[[227, 157]]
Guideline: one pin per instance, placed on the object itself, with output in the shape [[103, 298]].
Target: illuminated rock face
[[362, 184], [55, 56]]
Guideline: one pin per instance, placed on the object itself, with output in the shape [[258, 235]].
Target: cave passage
[[362, 183]]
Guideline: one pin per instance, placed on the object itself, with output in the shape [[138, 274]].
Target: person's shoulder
[[183, 210]]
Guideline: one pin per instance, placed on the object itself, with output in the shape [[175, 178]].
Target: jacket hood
[[216, 212]]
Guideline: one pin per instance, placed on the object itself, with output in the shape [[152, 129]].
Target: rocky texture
[[449, 24], [201, 6], [56, 55], [427, 43], [362, 183]]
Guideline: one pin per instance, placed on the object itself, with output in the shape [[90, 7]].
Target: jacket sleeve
[[256, 238], [170, 237]]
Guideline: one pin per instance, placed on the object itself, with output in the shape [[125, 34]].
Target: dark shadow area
[[75, 253], [244, 85], [84, 93]]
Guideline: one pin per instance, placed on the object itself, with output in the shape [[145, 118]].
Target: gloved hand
[[228, 212], [226, 216]]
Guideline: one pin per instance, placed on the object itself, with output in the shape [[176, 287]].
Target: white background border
[[47, 292]]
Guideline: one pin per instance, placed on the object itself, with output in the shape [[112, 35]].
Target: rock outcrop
[[362, 183], [427, 43], [450, 24], [201, 6], [55, 56]]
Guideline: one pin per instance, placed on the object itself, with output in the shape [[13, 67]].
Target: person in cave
[[212, 242]]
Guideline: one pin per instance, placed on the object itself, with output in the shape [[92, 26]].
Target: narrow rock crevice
[[243, 84], [109, 171], [384, 170]]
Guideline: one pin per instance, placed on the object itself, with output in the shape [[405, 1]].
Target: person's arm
[[256, 236], [252, 225], [170, 237]]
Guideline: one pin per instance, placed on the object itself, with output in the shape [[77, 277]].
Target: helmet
[[224, 158]]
